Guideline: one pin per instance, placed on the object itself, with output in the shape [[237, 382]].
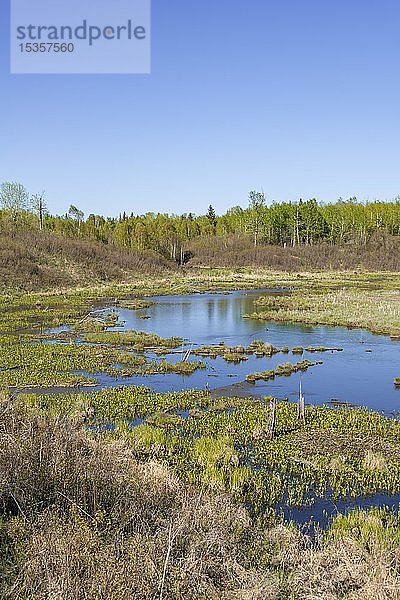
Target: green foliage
[[284, 370], [212, 218], [377, 527], [340, 452], [13, 197], [46, 365], [114, 404], [287, 223]]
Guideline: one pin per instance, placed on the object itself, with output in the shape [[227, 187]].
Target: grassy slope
[[34, 260], [381, 252]]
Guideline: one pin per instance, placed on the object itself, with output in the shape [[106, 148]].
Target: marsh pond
[[358, 367]]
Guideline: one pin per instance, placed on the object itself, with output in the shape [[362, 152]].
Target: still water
[[362, 374]]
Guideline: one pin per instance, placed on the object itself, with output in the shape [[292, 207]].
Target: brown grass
[[381, 253], [33, 260], [346, 570], [83, 519]]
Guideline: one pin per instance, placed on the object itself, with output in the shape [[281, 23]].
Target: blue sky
[[299, 98]]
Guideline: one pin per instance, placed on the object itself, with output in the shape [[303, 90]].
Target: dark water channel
[[323, 510]]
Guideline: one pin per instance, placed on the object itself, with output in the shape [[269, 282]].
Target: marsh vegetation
[[376, 310], [185, 482], [207, 492]]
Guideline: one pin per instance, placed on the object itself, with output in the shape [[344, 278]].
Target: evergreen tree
[[212, 218]]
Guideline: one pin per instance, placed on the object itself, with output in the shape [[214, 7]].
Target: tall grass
[[82, 519]]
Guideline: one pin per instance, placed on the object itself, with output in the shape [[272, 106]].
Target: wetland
[[187, 380], [359, 367], [162, 417]]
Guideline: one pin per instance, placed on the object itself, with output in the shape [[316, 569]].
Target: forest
[[260, 223]]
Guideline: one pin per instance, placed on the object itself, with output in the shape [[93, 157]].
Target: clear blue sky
[[300, 98]]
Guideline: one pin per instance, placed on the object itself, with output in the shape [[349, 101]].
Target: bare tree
[[38, 205], [75, 213]]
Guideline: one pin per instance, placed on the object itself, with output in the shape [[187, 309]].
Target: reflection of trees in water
[[186, 310], [223, 305], [210, 308], [217, 309]]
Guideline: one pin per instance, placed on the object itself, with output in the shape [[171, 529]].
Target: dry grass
[[33, 260], [345, 570], [82, 519], [375, 462], [377, 310], [380, 253]]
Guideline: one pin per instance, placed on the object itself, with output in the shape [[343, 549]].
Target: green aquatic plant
[[57, 365], [139, 340], [234, 357], [284, 370], [298, 350], [114, 404], [145, 438], [261, 348], [225, 443], [181, 367], [233, 354], [164, 420], [368, 528], [237, 354], [215, 456]]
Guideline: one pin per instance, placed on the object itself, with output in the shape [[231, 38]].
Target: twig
[[77, 505], [18, 505], [187, 354], [85, 317]]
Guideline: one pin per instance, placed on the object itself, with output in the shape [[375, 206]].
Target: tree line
[[278, 223]]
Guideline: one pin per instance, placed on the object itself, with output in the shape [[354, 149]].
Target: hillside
[[380, 253], [33, 260]]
